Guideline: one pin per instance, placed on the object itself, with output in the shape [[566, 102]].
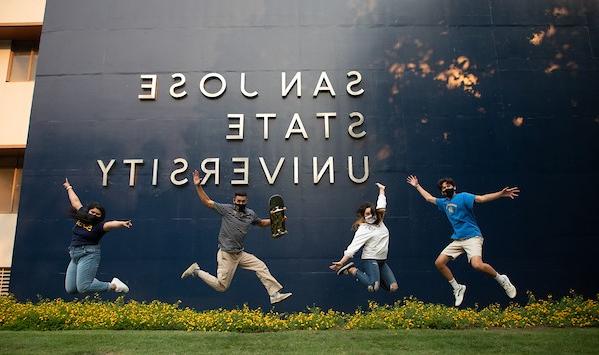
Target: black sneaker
[[345, 267]]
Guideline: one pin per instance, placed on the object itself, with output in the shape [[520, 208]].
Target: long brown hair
[[360, 215]]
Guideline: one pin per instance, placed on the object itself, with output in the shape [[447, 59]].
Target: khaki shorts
[[472, 246]]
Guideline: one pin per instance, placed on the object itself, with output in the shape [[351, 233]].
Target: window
[[23, 61], [4, 280], [11, 171]]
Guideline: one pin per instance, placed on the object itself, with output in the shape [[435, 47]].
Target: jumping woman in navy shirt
[[466, 237], [85, 247]]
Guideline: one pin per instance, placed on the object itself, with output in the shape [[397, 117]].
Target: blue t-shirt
[[87, 234], [460, 214]]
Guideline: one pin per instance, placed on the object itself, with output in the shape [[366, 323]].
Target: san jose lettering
[[149, 85], [290, 85]]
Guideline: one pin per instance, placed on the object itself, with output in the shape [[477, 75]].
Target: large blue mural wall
[[491, 93]]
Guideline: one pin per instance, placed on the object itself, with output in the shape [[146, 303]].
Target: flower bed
[[93, 313]]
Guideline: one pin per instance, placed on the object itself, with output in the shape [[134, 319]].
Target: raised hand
[[412, 180], [511, 192], [66, 184], [196, 177], [127, 224], [380, 186]]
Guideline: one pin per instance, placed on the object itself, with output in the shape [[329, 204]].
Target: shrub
[[93, 313]]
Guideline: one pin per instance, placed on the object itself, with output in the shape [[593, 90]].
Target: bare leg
[[441, 264], [479, 265]]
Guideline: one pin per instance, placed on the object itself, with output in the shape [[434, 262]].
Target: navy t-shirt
[[87, 234], [459, 212]]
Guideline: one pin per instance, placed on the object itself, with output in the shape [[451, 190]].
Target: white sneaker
[[345, 268], [510, 289], [190, 271], [278, 297], [458, 293], [119, 286]]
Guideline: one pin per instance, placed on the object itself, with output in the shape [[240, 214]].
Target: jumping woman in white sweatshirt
[[372, 234]]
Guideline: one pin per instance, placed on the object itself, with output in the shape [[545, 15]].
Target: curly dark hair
[[445, 180]]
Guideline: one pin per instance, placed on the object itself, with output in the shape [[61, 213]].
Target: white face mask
[[370, 219]]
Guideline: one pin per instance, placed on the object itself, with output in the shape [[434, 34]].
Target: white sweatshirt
[[374, 238]]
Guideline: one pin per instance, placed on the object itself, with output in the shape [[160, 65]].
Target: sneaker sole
[[282, 299], [456, 304], [190, 270], [510, 287], [345, 268]]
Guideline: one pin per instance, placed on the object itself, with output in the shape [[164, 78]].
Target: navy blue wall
[[531, 120]]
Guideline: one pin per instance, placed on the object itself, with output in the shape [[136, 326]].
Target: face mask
[[84, 216], [449, 192], [240, 207], [370, 219]]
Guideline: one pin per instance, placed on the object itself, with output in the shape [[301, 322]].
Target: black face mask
[[84, 216], [240, 207], [449, 192]]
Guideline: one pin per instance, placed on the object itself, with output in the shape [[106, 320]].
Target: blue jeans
[[81, 272], [376, 270]]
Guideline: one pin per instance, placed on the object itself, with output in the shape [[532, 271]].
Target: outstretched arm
[[264, 222], [360, 238], [75, 202], [336, 265], [413, 180], [110, 225], [200, 190], [511, 192], [381, 201]]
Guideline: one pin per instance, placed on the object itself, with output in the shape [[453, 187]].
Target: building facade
[[316, 101], [20, 30]]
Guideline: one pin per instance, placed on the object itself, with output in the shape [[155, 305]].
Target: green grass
[[498, 341]]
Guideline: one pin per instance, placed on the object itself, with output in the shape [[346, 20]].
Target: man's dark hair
[[240, 193], [447, 180]]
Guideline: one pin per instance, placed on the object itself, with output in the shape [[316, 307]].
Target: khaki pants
[[227, 264]]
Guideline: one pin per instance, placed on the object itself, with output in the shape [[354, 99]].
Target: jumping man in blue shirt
[[466, 237]]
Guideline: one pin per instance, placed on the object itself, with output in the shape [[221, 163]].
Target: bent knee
[[84, 287], [221, 287], [440, 263], [261, 267], [478, 265]]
